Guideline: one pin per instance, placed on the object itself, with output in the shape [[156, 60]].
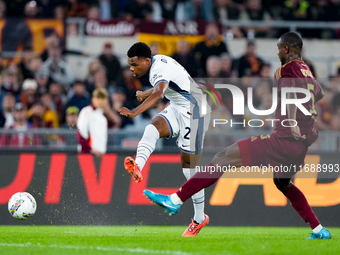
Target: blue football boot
[[323, 234], [163, 201]]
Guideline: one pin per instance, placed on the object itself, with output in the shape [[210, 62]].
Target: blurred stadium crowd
[[209, 10], [42, 92]]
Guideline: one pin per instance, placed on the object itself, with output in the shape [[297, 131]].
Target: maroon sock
[[300, 204], [199, 181]]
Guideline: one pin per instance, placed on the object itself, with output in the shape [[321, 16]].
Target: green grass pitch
[[88, 240]]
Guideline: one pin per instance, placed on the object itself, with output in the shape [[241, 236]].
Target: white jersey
[[92, 127], [182, 89], [183, 115]]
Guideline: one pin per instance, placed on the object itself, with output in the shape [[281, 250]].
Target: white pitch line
[[99, 248]]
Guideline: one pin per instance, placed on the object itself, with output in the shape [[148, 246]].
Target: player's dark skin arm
[[292, 116], [142, 95], [153, 100]]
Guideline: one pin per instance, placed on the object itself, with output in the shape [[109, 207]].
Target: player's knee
[[186, 164], [215, 158], [150, 133], [281, 184], [277, 183], [186, 160], [228, 156], [221, 155]]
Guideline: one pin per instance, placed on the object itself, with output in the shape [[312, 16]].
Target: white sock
[[317, 229], [175, 199], [197, 199], [146, 145]]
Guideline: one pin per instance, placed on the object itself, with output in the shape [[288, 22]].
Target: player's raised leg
[[230, 155], [301, 206], [157, 129]]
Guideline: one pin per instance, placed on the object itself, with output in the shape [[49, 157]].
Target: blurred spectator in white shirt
[[92, 125]]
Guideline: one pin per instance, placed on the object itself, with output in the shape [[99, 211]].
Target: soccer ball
[[22, 205]]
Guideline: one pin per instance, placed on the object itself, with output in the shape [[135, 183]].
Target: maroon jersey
[[297, 74]]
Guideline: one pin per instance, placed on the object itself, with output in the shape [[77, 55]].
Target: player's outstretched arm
[[142, 95], [153, 100]]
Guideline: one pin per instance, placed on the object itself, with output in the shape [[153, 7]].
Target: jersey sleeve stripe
[[280, 72], [160, 81], [176, 88]]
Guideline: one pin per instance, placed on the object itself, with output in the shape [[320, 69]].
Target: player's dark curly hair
[[292, 39], [140, 50]]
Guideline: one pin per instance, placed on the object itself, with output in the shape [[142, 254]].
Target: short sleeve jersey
[[297, 74], [182, 89]]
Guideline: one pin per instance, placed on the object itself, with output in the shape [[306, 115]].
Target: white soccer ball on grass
[[22, 205]]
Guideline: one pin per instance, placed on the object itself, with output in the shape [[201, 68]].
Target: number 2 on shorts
[[187, 134]]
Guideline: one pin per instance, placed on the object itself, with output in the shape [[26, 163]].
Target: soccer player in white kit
[[183, 118]]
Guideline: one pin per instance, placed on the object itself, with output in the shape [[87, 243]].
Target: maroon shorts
[[271, 150]]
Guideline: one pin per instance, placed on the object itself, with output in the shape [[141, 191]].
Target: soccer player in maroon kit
[[286, 146]]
